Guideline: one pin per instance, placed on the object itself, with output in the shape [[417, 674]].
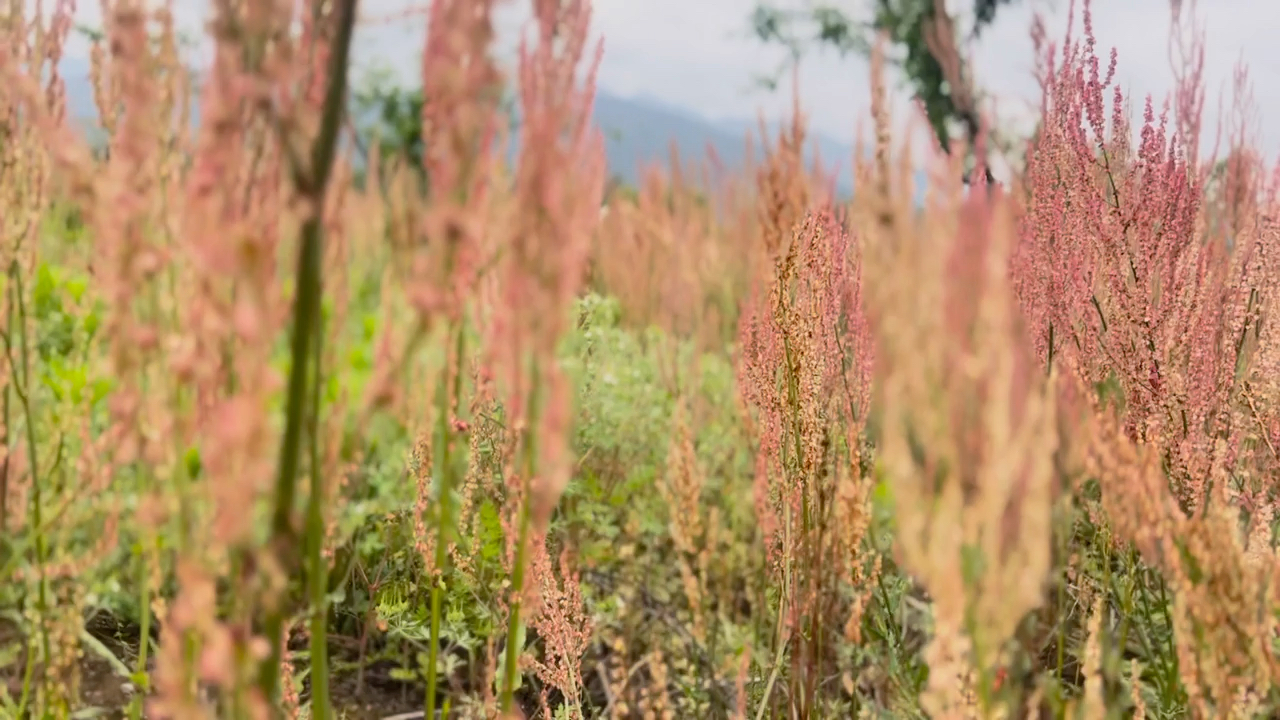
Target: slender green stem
[[444, 516], [441, 556], [306, 308], [433, 650], [780, 637], [8, 453], [147, 545], [4, 470], [318, 567], [22, 388], [140, 678], [511, 666]]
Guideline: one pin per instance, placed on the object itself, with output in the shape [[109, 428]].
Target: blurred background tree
[[389, 115], [923, 44], [386, 112]]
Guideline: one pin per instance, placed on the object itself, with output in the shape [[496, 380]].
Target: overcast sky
[[699, 54]]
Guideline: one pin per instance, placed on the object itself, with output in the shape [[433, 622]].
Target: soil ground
[[376, 696]]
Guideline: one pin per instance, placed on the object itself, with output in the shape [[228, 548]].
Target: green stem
[[147, 546], [511, 666], [4, 468], [444, 518], [318, 568], [781, 638], [22, 388], [4, 471], [140, 678], [306, 308]]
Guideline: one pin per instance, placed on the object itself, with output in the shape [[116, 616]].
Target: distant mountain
[[639, 132], [836, 154]]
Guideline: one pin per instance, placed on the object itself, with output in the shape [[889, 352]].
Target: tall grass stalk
[[21, 378], [140, 679], [312, 182], [528, 465], [317, 564], [448, 397]]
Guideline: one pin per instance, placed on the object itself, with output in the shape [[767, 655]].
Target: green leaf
[[103, 652], [502, 656]]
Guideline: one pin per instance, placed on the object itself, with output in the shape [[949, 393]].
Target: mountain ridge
[[639, 132]]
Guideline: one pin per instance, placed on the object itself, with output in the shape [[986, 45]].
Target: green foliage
[[391, 116], [627, 385], [906, 23]]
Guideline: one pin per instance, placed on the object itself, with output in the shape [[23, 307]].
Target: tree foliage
[[391, 116], [907, 25]]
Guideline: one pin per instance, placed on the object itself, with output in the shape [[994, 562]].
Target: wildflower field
[[282, 434]]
